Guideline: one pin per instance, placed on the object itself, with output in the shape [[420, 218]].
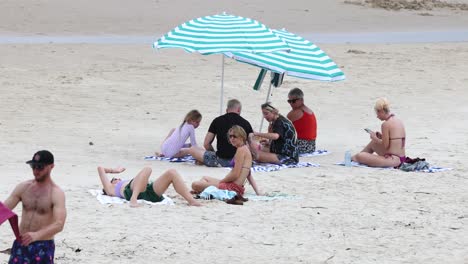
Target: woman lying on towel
[[235, 179], [281, 147], [388, 145], [140, 187]]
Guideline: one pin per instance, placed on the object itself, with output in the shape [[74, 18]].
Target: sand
[[112, 104]]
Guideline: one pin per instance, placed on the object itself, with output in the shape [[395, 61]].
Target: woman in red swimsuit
[[304, 121], [388, 145]]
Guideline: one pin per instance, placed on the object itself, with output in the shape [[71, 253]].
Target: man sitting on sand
[[140, 187], [219, 128], [43, 213]]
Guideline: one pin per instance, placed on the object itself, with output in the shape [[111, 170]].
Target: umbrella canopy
[[222, 33], [304, 60]]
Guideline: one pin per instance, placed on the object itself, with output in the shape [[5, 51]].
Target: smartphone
[[368, 130]]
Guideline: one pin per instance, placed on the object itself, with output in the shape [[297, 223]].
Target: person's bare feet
[[194, 203], [157, 154], [135, 204]]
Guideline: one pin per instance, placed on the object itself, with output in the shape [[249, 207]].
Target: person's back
[[220, 127]]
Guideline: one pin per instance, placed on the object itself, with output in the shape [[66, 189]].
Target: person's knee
[[357, 157], [148, 169], [196, 186], [171, 173]]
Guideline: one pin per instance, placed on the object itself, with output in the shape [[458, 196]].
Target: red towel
[[7, 214]]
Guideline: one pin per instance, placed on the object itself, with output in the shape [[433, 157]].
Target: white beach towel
[[105, 199], [315, 153], [431, 169]]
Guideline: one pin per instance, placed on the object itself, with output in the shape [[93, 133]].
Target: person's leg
[[369, 149], [161, 184], [267, 157], [200, 185], [373, 160], [195, 151], [138, 185]]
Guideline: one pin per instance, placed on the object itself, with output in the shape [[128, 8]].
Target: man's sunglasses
[[37, 166], [292, 101]]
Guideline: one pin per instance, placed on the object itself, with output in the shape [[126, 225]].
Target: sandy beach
[[112, 104]]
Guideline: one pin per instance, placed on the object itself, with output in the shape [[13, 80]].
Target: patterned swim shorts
[[305, 146], [40, 252], [210, 159]]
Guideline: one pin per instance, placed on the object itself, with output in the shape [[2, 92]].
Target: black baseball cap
[[42, 157]]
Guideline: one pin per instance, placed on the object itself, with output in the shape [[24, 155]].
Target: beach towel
[[212, 192], [431, 169], [105, 199], [187, 158], [7, 214], [267, 167], [315, 153]]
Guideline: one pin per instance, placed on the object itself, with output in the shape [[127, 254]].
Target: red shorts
[[230, 186]]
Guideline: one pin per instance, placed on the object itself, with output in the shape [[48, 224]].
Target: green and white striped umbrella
[[304, 60], [222, 33]]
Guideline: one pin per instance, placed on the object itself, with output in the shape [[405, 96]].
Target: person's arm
[[59, 215], [105, 181], [272, 136], [15, 197], [193, 139], [385, 135], [253, 183], [208, 140]]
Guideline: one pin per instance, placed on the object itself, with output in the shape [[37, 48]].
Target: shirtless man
[[43, 213]]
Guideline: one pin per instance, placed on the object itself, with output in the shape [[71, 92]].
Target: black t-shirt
[[286, 144], [220, 127]]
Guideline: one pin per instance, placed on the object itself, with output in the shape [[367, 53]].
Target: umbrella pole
[[268, 97], [222, 86]]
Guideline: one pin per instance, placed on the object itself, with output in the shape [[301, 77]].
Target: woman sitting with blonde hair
[[389, 145], [281, 146], [235, 179]]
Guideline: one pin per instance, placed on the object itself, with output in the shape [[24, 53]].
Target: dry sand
[[125, 98]]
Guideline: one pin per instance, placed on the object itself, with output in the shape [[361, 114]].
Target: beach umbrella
[[219, 34], [304, 60]]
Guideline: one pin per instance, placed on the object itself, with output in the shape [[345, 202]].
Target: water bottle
[[347, 158]]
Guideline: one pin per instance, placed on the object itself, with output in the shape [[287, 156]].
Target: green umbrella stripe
[[210, 49], [281, 63], [198, 42], [210, 35]]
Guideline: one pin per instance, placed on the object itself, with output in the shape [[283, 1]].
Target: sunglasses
[[37, 166], [112, 180], [292, 101], [232, 136]]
